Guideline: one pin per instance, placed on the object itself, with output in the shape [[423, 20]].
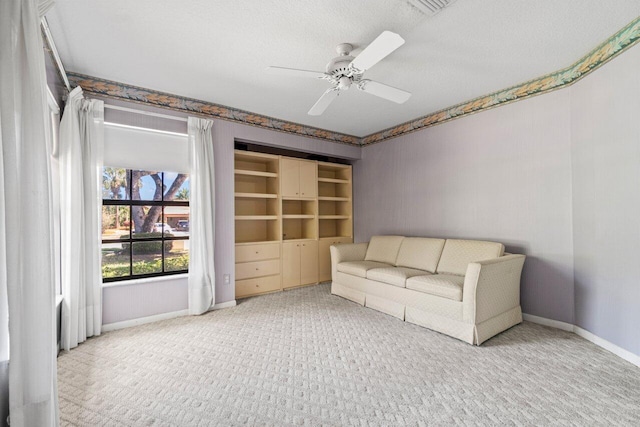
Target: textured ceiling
[[216, 51]]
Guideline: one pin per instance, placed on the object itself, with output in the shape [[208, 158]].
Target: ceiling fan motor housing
[[338, 68]]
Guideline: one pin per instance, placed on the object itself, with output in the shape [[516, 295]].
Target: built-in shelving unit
[[258, 225], [335, 212], [335, 207], [288, 213], [256, 197]]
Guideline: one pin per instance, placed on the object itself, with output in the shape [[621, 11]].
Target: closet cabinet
[[288, 213], [298, 178], [299, 263]]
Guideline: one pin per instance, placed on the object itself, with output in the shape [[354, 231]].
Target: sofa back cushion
[[383, 249], [420, 252], [457, 254]]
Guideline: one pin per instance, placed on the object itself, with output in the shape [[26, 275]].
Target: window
[[145, 223]]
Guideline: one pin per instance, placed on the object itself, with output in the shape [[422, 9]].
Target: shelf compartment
[[332, 189], [256, 184], [257, 231], [334, 171], [296, 216], [298, 207], [255, 196], [334, 217], [335, 228], [256, 206], [299, 228], [333, 208], [256, 162]]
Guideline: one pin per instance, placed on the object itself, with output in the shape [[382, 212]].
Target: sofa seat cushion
[[441, 285], [359, 268], [396, 276]]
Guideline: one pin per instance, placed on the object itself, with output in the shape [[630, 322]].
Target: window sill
[[145, 280]]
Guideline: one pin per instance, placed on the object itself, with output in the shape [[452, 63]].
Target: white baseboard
[[143, 320], [157, 317], [600, 342], [618, 351], [548, 322]]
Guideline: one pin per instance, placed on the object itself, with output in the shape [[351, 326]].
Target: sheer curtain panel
[[80, 166], [202, 274], [26, 248]]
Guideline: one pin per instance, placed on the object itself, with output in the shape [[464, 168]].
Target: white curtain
[[202, 275], [80, 164], [26, 248]]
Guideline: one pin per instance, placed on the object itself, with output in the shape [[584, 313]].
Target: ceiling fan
[[345, 70]]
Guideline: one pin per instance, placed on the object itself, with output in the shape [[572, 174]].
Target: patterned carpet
[[305, 357]]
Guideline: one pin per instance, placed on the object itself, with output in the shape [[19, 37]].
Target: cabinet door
[[309, 262], [289, 178], [308, 180], [290, 264], [324, 259]]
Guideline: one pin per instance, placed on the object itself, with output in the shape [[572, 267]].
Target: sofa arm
[[491, 287], [347, 252]]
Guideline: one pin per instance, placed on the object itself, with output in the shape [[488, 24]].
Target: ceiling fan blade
[[383, 91], [324, 101], [382, 46], [292, 72]]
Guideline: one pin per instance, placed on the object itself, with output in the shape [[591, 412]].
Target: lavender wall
[[555, 177], [605, 129], [142, 300], [503, 175]]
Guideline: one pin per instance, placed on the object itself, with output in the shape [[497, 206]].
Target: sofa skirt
[[429, 311]]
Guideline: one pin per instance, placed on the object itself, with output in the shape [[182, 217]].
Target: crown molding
[[616, 44], [122, 91]]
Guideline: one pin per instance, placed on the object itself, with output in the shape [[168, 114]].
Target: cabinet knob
[[257, 286], [257, 252], [257, 269], [303, 244]]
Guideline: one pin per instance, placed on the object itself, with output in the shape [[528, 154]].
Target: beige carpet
[[305, 357]]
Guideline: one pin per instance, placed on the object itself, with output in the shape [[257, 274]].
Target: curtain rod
[[146, 113]]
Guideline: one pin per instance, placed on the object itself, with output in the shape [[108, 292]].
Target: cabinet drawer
[[246, 253], [245, 288], [247, 270]]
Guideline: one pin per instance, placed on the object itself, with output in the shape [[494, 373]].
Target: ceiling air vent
[[430, 7]]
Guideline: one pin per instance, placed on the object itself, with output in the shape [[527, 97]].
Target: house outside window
[[145, 223]]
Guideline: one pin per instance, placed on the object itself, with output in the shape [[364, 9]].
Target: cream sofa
[[467, 289]]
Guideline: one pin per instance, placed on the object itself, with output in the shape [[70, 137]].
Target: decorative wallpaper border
[[115, 90], [622, 40], [616, 44]]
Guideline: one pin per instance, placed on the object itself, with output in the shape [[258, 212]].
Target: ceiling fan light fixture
[[344, 83]]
